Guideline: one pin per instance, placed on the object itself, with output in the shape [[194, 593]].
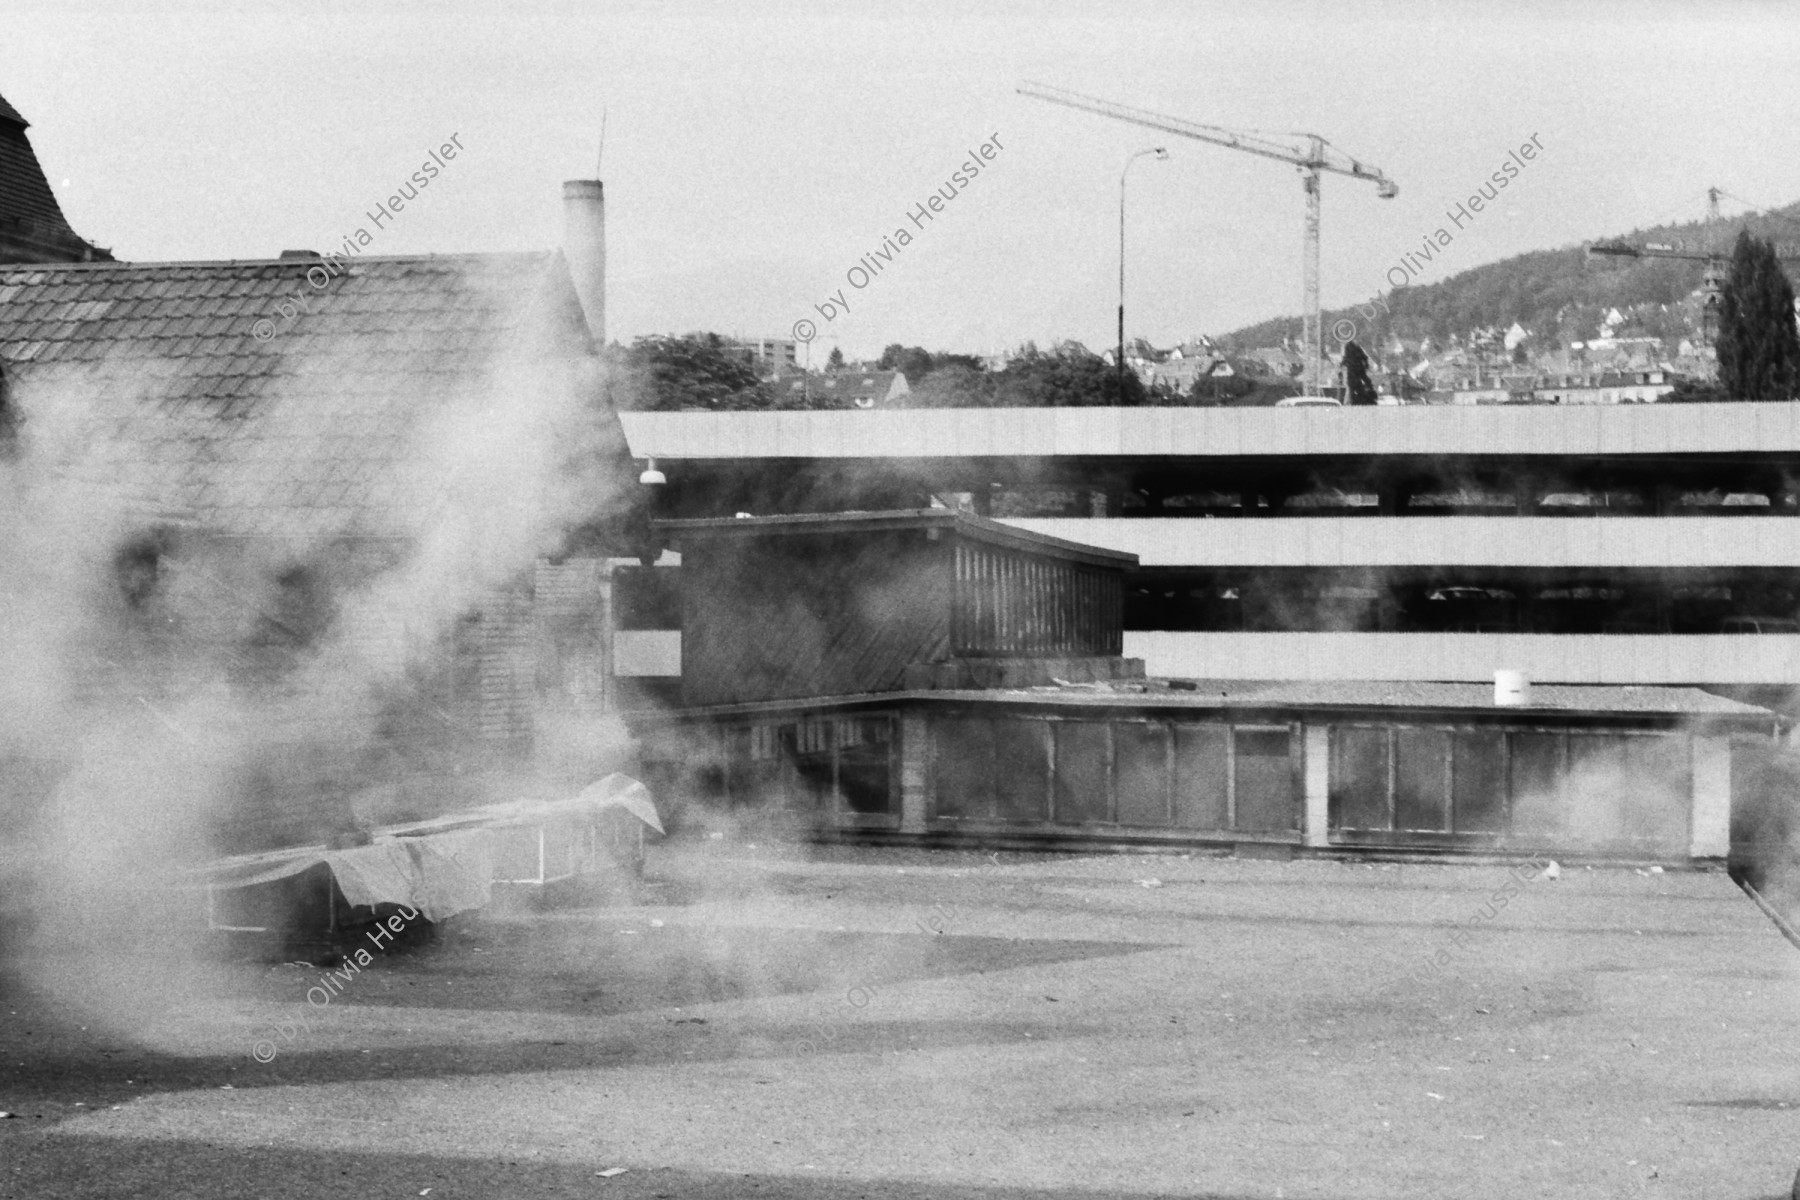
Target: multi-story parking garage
[[1647, 544]]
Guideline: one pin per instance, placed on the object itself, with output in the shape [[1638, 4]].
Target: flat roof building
[[935, 676], [778, 608], [1319, 767]]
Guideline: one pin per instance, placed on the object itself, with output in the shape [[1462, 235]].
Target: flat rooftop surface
[[1547, 699], [838, 1022]]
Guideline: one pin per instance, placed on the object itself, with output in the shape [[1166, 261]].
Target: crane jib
[[1309, 155]]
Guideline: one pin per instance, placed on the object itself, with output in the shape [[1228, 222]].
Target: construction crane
[[1312, 154], [1713, 281]]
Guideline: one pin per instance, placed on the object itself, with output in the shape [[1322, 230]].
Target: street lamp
[[1161, 154]]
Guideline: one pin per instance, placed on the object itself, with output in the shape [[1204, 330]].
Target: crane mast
[[1313, 155]]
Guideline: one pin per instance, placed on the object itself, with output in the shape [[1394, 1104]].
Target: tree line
[[1758, 351]]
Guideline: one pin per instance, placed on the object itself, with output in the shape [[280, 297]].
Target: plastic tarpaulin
[[439, 867], [439, 875]]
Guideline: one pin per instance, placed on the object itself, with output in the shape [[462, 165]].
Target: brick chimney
[[584, 248]]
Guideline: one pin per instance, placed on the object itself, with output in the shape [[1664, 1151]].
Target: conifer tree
[[1759, 345], [1356, 374]]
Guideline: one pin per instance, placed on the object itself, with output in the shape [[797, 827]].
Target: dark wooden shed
[[788, 607]]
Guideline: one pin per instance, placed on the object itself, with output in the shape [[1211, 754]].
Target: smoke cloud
[[218, 639]]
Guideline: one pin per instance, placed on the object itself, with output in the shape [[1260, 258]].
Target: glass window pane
[[1535, 776], [1268, 799], [1422, 779], [1022, 770], [1081, 774], [808, 747], [1201, 764], [865, 764], [1658, 792], [1478, 781], [1141, 772], [1359, 779], [1596, 788], [962, 768]]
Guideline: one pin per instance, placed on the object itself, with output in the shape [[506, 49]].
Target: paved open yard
[[778, 1021]]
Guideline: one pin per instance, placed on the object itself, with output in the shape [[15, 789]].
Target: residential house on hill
[[1613, 387], [1181, 374], [1280, 360], [851, 389]]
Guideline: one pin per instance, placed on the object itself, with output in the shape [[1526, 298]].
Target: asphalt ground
[[781, 1021]]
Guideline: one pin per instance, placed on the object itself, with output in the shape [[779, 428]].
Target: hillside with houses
[[1556, 326], [1565, 326]]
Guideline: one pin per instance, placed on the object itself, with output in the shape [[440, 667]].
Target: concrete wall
[[1660, 542], [1538, 429], [1547, 658], [1711, 834]]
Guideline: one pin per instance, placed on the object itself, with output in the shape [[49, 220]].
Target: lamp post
[[1160, 154]]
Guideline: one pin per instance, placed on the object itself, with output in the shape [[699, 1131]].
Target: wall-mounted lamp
[[651, 475]]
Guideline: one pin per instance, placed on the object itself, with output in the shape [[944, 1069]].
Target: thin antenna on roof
[[600, 157]]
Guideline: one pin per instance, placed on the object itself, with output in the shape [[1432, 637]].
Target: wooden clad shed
[[790, 607]]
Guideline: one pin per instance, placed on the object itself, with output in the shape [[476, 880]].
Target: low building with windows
[[938, 678]]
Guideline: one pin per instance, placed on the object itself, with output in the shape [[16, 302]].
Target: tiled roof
[[190, 388], [873, 385], [9, 113]]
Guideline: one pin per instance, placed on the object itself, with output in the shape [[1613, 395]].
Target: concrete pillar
[[1525, 496], [1316, 752], [915, 759], [1710, 835]]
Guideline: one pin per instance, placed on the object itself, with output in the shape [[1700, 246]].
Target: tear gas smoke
[[181, 683]]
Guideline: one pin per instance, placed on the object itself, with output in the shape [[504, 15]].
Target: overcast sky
[[755, 152]]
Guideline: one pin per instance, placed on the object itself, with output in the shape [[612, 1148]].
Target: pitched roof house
[[242, 398], [353, 513], [854, 389], [32, 225]]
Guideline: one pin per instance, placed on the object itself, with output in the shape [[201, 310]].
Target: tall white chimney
[[584, 248]]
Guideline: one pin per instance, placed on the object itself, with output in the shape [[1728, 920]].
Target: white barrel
[[1511, 689]]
